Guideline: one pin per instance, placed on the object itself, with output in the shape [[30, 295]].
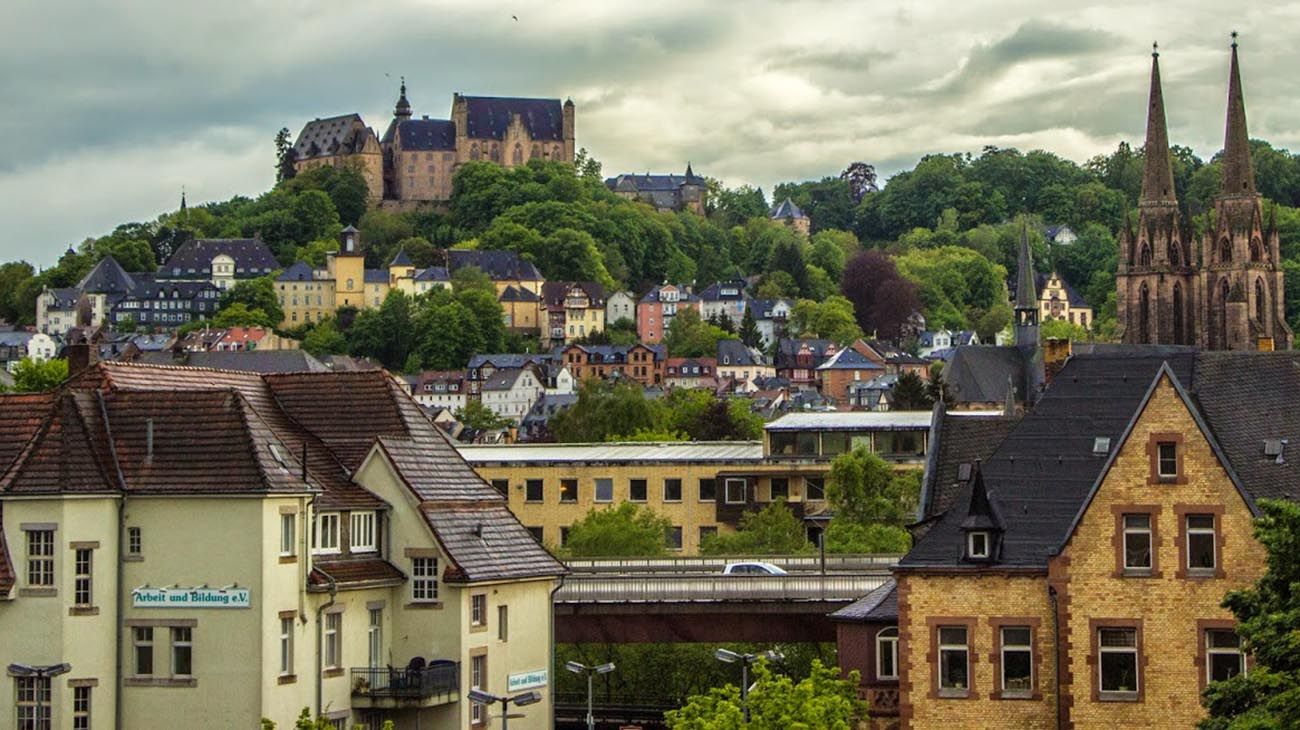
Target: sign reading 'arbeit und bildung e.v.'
[[147, 597], [526, 680]]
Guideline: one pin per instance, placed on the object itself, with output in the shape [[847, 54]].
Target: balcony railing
[[438, 680]]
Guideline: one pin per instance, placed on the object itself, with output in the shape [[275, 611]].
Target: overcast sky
[[110, 107]]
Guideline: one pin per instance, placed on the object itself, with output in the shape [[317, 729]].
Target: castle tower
[[1156, 283], [1026, 329], [403, 109], [1241, 276], [347, 267]]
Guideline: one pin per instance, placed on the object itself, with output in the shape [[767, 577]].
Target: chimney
[[80, 356]]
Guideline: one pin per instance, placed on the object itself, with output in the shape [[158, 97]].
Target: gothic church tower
[[1241, 274]]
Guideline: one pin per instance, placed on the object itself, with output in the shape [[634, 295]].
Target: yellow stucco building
[[203, 547]]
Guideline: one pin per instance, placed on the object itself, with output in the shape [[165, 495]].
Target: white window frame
[[142, 638], [375, 638], [134, 541], [286, 647], [609, 483], [1211, 651], [1160, 459], [1213, 532], [726, 490], [83, 578], [1009, 647], [362, 534], [32, 697], [1148, 531], [424, 580], [971, 540], [478, 609], [288, 534], [325, 534], [1102, 649], [887, 644], [332, 656], [964, 648], [40, 558], [477, 668], [81, 704]]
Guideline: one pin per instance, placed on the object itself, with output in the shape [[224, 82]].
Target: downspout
[[1056, 653], [120, 569], [550, 677], [320, 639]]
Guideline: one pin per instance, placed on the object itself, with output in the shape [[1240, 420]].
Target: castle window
[[1225, 251], [1260, 309], [1175, 256], [1256, 250], [537, 152], [1144, 257], [496, 153], [473, 151], [518, 156]]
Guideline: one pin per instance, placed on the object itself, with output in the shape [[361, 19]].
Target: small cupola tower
[[983, 526], [350, 242], [403, 108]]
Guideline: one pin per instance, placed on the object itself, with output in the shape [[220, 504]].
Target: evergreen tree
[[749, 333]]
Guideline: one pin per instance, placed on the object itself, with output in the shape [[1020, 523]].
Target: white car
[[754, 568]]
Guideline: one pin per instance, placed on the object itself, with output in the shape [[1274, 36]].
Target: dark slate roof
[[647, 183], [1041, 474], [503, 379], [329, 136], [489, 116], [65, 298], [786, 209], [954, 441], [682, 295], [194, 257], [500, 265], [433, 273], [734, 352], [486, 542], [507, 360], [880, 605], [401, 259], [554, 292], [788, 349], [763, 308], [300, 271], [714, 293], [246, 361], [376, 276], [849, 359], [424, 134], [893, 354], [108, 277], [365, 572], [518, 294], [980, 373]]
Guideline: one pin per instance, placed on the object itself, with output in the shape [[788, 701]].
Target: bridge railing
[[716, 588], [792, 563]]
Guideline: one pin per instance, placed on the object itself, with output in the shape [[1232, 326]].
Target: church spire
[[403, 109], [1238, 175], [1158, 175], [1026, 331]]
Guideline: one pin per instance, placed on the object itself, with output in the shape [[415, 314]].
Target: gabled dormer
[[983, 526]]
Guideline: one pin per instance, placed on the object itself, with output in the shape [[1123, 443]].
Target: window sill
[[1018, 695], [286, 679], [1118, 697], [1132, 573], [477, 628], [83, 611], [1201, 574], [132, 558], [38, 592], [434, 605], [161, 682], [953, 694], [672, 501], [286, 559], [332, 672]]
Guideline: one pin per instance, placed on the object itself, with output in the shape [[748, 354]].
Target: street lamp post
[[731, 657], [578, 668], [39, 672], [488, 699]]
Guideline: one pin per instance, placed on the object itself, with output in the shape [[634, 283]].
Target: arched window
[[518, 157], [1260, 303], [887, 653], [496, 152], [1175, 254], [1144, 257], [536, 153], [1225, 251], [473, 151], [1178, 315], [1144, 315], [1256, 250]]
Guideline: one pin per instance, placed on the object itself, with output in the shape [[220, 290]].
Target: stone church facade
[[414, 161], [1222, 292]]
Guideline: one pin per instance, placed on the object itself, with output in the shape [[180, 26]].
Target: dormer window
[[977, 546]]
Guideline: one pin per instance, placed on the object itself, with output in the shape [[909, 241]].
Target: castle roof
[[786, 209], [433, 273], [300, 271], [488, 117], [252, 258], [499, 265], [343, 134], [108, 277], [422, 134]]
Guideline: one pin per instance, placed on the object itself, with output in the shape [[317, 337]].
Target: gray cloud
[[112, 105]]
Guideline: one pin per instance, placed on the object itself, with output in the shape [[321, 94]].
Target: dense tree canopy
[[627, 530], [823, 701]]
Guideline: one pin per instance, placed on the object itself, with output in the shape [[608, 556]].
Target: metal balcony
[[387, 687]]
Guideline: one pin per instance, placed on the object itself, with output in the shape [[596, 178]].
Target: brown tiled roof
[[435, 472], [21, 414], [346, 410], [485, 542], [354, 573]]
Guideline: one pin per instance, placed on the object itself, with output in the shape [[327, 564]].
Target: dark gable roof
[[194, 257], [489, 116], [426, 134], [248, 361], [648, 183], [433, 273], [880, 605], [1040, 283], [1042, 474], [401, 259], [486, 542], [734, 352], [981, 373], [329, 136], [787, 350], [499, 265], [554, 292], [956, 440], [682, 295], [108, 277], [786, 209], [849, 359], [65, 298], [300, 271], [735, 291], [376, 276], [517, 294]]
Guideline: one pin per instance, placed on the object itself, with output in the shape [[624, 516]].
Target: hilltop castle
[[415, 159], [1226, 293]]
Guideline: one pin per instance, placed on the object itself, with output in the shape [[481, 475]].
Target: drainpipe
[[320, 639], [1056, 653], [550, 678], [120, 569]]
